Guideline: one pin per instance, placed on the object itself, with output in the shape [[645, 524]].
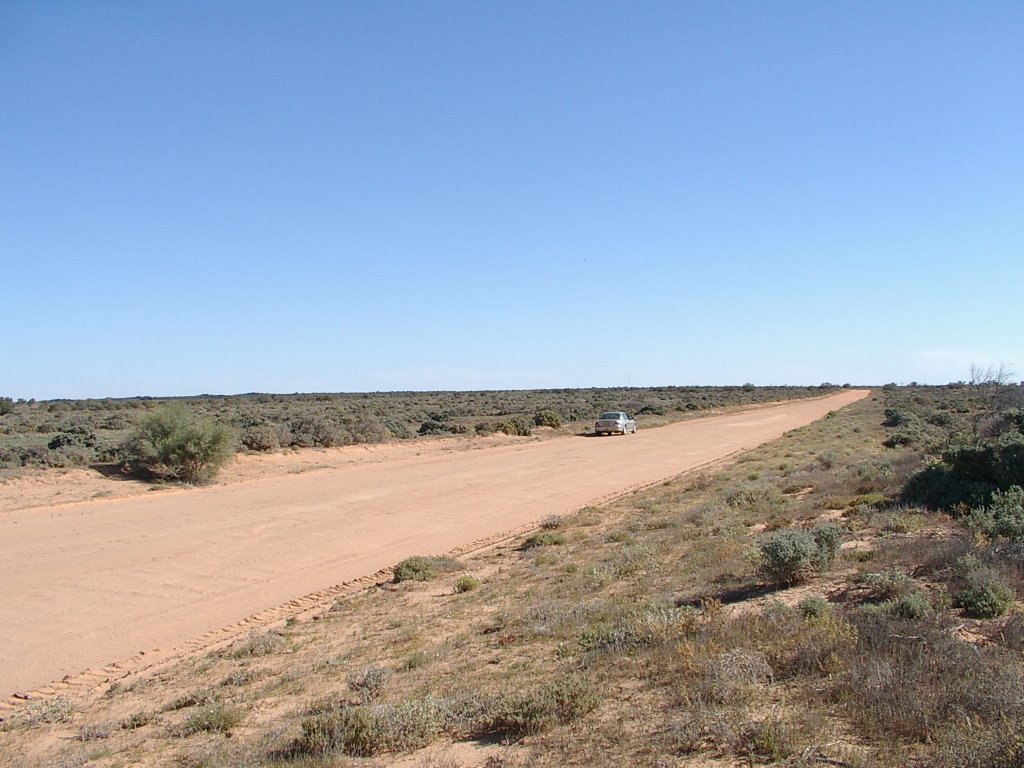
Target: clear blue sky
[[227, 197]]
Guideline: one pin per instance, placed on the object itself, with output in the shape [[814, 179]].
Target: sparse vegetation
[[635, 643], [70, 433], [421, 568]]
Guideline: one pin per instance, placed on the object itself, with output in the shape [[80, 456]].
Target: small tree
[[171, 442], [6, 405]]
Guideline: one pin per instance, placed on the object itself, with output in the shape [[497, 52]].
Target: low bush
[[517, 426], [547, 418], [214, 718], [792, 556], [890, 584], [261, 437], [421, 568], [264, 644], [1003, 518], [761, 498], [814, 607], [912, 606], [896, 417], [561, 701], [545, 539], [368, 730], [552, 522], [369, 683], [466, 583], [642, 627], [983, 595]]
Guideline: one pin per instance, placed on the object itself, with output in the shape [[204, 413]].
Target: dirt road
[[85, 584]]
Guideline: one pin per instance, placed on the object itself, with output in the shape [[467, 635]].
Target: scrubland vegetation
[[847, 595], [187, 438]]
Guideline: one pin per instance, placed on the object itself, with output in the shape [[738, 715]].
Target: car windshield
[[611, 415]]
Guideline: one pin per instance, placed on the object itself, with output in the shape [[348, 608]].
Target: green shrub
[[791, 556], [466, 583], [261, 437], [313, 430], [644, 626], [76, 437], [828, 537], [6, 406], [517, 426], [171, 442], [984, 595], [913, 606], [787, 557], [547, 418], [1003, 518], [421, 568], [969, 475], [895, 417], [814, 607], [545, 539]]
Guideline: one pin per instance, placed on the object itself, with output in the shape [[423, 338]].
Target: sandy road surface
[[86, 584]]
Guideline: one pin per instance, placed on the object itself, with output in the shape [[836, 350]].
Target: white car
[[611, 422]]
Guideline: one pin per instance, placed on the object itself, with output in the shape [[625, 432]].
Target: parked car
[[611, 422]]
